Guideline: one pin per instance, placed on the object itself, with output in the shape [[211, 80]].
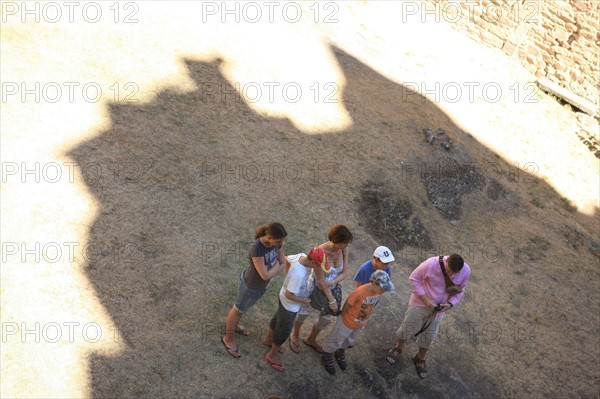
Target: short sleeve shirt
[[269, 255], [295, 282], [363, 275], [359, 306]]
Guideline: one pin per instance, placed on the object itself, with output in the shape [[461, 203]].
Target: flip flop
[[294, 346], [393, 354], [232, 352], [242, 330], [280, 350], [277, 366], [315, 347]]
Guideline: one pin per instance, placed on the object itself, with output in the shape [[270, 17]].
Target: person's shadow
[[183, 181]]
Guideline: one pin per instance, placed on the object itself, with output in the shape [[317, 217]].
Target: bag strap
[[427, 322], [446, 278]]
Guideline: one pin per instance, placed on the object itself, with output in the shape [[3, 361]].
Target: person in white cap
[[382, 259]]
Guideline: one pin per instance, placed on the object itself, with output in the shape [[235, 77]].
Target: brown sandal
[[420, 366], [393, 354]]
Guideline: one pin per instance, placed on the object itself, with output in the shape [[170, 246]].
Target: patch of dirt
[[447, 182], [495, 191], [577, 239], [390, 218]]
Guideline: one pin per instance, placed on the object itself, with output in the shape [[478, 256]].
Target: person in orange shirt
[[355, 314]]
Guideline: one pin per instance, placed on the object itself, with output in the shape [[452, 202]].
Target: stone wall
[[557, 39]]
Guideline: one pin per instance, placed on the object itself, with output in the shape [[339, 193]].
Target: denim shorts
[[246, 297]]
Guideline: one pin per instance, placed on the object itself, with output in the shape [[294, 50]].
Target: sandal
[[277, 366], [327, 361], [393, 354], [294, 346], [340, 357], [232, 352], [316, 347], [420, 366], [242, 330]]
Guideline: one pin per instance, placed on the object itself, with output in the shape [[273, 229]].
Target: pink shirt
[[427, 279]]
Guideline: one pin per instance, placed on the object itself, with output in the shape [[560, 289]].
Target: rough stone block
[[560, 34], [582, 5], [533, 52], [553, 18], [546, 57], [560, 65], [576, 75], [563, 75], [515, 37], [566, 16], [560, 50], [491, 40], [499, 33], [577, 58], [587, 33], [509, 48], [530, 68], [549, 70], [570, 28], [553, 78]]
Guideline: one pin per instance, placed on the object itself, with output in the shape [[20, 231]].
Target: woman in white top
[[336, 249]]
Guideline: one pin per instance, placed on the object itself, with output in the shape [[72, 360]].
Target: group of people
[[312, 285]]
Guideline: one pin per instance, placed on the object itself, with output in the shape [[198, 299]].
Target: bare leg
[[268, 339], [233, 318], [400, 344], [274, 353], [295, 334], [312, 339]]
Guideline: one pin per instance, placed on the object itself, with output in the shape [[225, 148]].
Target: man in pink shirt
[[431, 297]]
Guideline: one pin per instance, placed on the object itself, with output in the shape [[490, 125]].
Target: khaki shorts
[[413, 320], [341, 337]]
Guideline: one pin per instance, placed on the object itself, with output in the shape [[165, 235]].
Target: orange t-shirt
[[359, 306]]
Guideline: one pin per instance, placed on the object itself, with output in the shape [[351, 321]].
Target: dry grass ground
[[125, 221]]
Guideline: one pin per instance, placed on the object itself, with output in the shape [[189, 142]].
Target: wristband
[[332, 302]]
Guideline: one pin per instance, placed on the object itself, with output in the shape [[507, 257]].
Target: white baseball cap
[[384, 254]]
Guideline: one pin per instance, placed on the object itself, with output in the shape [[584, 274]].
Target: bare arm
[[261, 268], [287, 266], [326, 287], [293, 297], [281, 257]]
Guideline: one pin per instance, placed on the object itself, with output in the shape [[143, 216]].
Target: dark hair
[[275, 230], [339, 234], [456, 262]]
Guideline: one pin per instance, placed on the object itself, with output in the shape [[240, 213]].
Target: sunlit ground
[[47, 285]]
